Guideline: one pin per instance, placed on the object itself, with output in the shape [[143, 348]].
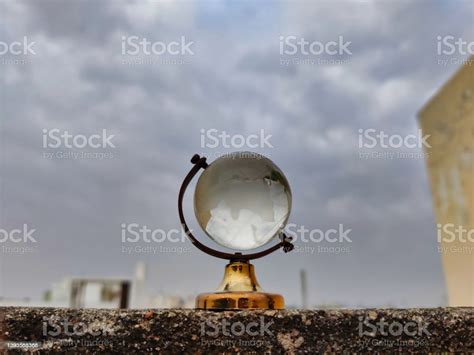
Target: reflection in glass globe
[[242, 200]]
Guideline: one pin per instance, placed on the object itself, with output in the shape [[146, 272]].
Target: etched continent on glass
[[242, 200]]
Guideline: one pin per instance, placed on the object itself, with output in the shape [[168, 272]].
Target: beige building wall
[[449, 120]]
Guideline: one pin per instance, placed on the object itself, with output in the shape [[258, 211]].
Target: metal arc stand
[[239, 289]]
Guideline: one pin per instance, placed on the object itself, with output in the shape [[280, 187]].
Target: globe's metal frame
[[200, 163]]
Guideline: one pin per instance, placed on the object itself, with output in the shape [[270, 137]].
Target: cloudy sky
[[82, 76]]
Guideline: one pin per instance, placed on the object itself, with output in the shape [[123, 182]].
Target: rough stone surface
[[201, 332]]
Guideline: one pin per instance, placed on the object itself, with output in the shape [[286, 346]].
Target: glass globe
[[242, 200]]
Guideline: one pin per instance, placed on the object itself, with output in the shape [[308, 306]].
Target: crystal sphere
[[242, 200]]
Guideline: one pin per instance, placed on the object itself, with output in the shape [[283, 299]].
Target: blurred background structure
[[107, 292], [449, 120]]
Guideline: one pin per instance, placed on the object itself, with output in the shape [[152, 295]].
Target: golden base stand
[[239, 290]]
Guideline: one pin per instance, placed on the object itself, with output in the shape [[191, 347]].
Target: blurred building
[[91, 293], [449, 120], [104, 292]]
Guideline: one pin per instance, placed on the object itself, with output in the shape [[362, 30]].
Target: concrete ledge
[[190, 331]]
